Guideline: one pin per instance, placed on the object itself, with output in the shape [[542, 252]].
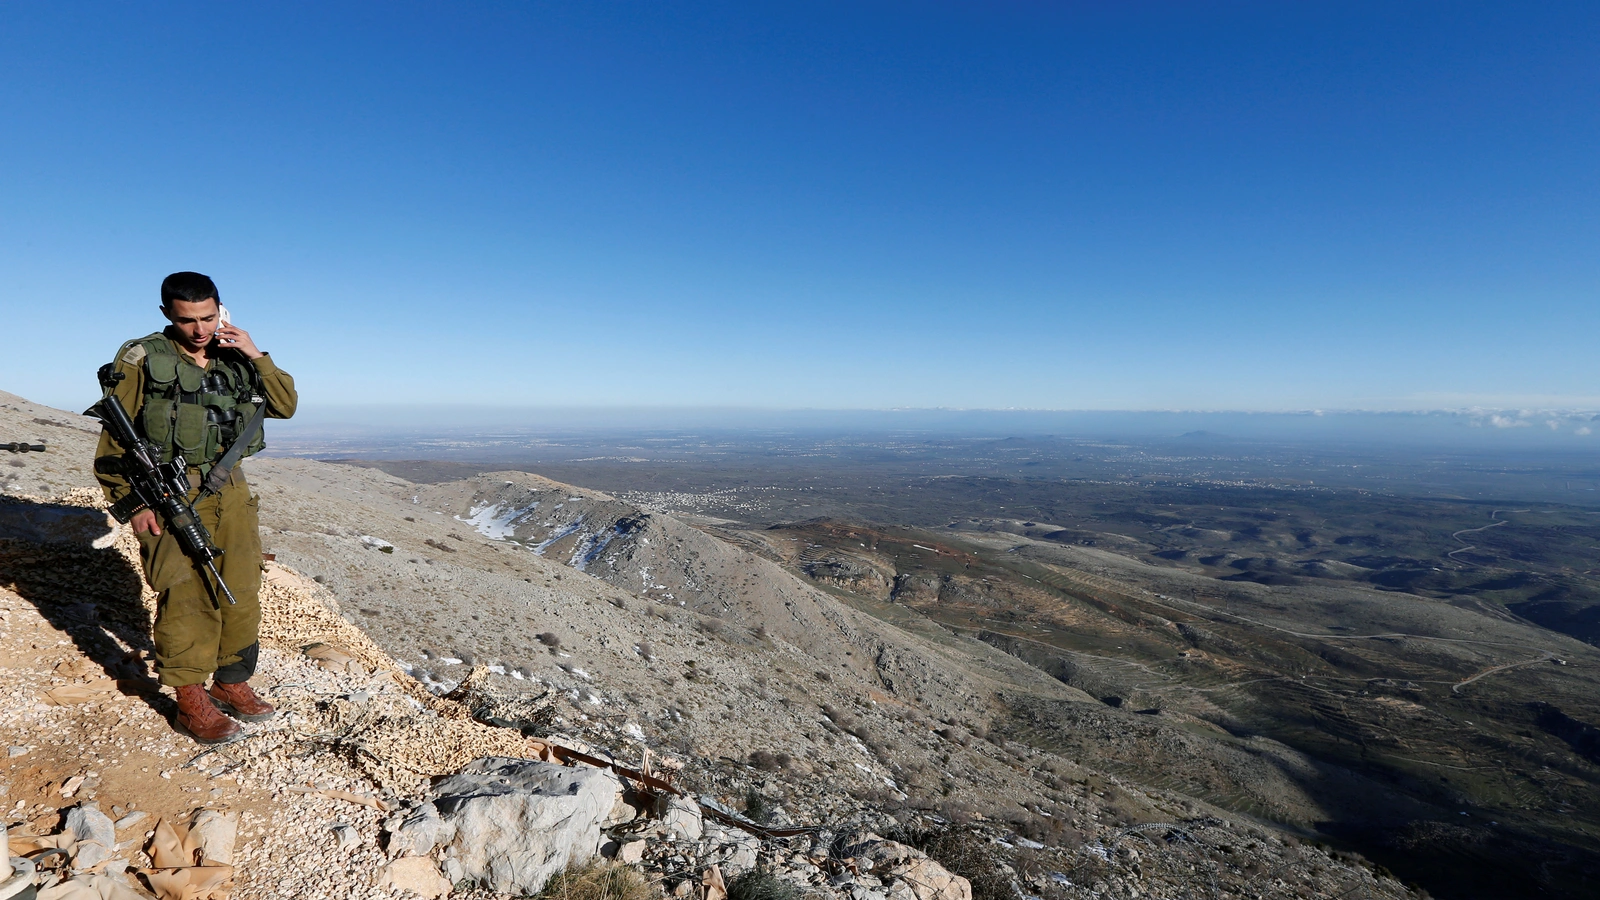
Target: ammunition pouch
[[195, 413]]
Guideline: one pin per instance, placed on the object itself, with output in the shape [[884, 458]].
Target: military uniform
[[195, 413]]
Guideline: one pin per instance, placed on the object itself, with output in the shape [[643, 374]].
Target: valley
[[1334, 660]]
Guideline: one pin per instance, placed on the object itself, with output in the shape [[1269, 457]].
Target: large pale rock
[[623, 809], [95, 835], [907, 872], [631, 853], [514, 822], [733, 850], [739, 855], [216, 832], [417, 874], [681, 817], [418, 832]]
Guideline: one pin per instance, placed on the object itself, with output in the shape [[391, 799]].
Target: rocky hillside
[[484, 681]]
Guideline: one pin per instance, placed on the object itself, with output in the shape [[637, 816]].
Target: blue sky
[[1253, 206]]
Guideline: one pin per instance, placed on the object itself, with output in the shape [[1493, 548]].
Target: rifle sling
[[218, 476]]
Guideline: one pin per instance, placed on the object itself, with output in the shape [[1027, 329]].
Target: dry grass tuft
[[597, 879], [761, 884]]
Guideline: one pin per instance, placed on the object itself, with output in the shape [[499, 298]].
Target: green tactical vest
[[192, 412]]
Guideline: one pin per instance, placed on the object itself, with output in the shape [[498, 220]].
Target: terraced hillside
[[1248, 644], [1398, 722]]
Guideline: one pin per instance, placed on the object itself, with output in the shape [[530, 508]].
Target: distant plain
[[1421, 622]]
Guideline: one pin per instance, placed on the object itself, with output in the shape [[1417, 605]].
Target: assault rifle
[[163, 487]]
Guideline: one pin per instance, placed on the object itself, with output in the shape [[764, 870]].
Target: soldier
[[190, 388]]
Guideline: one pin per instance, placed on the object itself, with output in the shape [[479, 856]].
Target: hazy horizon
[[1487, 430]]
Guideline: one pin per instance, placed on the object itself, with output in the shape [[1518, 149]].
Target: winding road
[[1544, 656], [1495, 514]]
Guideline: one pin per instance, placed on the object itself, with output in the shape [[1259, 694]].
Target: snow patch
[[588, 549], [563, 532], [494, 522]]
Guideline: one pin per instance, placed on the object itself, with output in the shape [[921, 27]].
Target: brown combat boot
[[239, 701], [198, 717]]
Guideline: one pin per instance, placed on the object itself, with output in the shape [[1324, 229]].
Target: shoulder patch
[[135, 354]]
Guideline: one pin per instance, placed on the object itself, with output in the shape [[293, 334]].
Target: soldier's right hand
[[144, 522]]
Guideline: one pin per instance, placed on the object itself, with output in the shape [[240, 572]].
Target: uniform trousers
[[197, 632]]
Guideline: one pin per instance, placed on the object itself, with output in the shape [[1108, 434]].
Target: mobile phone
[[223, 319]]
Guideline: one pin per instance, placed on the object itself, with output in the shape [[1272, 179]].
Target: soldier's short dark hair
[[190, 287]]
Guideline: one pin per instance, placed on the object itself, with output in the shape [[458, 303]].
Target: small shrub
[[966, 853], [762, 884], [757, 808], [597, 880], [1035, 828], [955, 812], [551, 640], [768, 761]]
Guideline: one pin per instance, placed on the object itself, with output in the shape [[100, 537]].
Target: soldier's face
[[195, 321]]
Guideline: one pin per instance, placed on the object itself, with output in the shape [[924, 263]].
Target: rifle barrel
[[220, 583]]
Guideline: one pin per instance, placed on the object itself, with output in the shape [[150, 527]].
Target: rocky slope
[[586, 625]]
